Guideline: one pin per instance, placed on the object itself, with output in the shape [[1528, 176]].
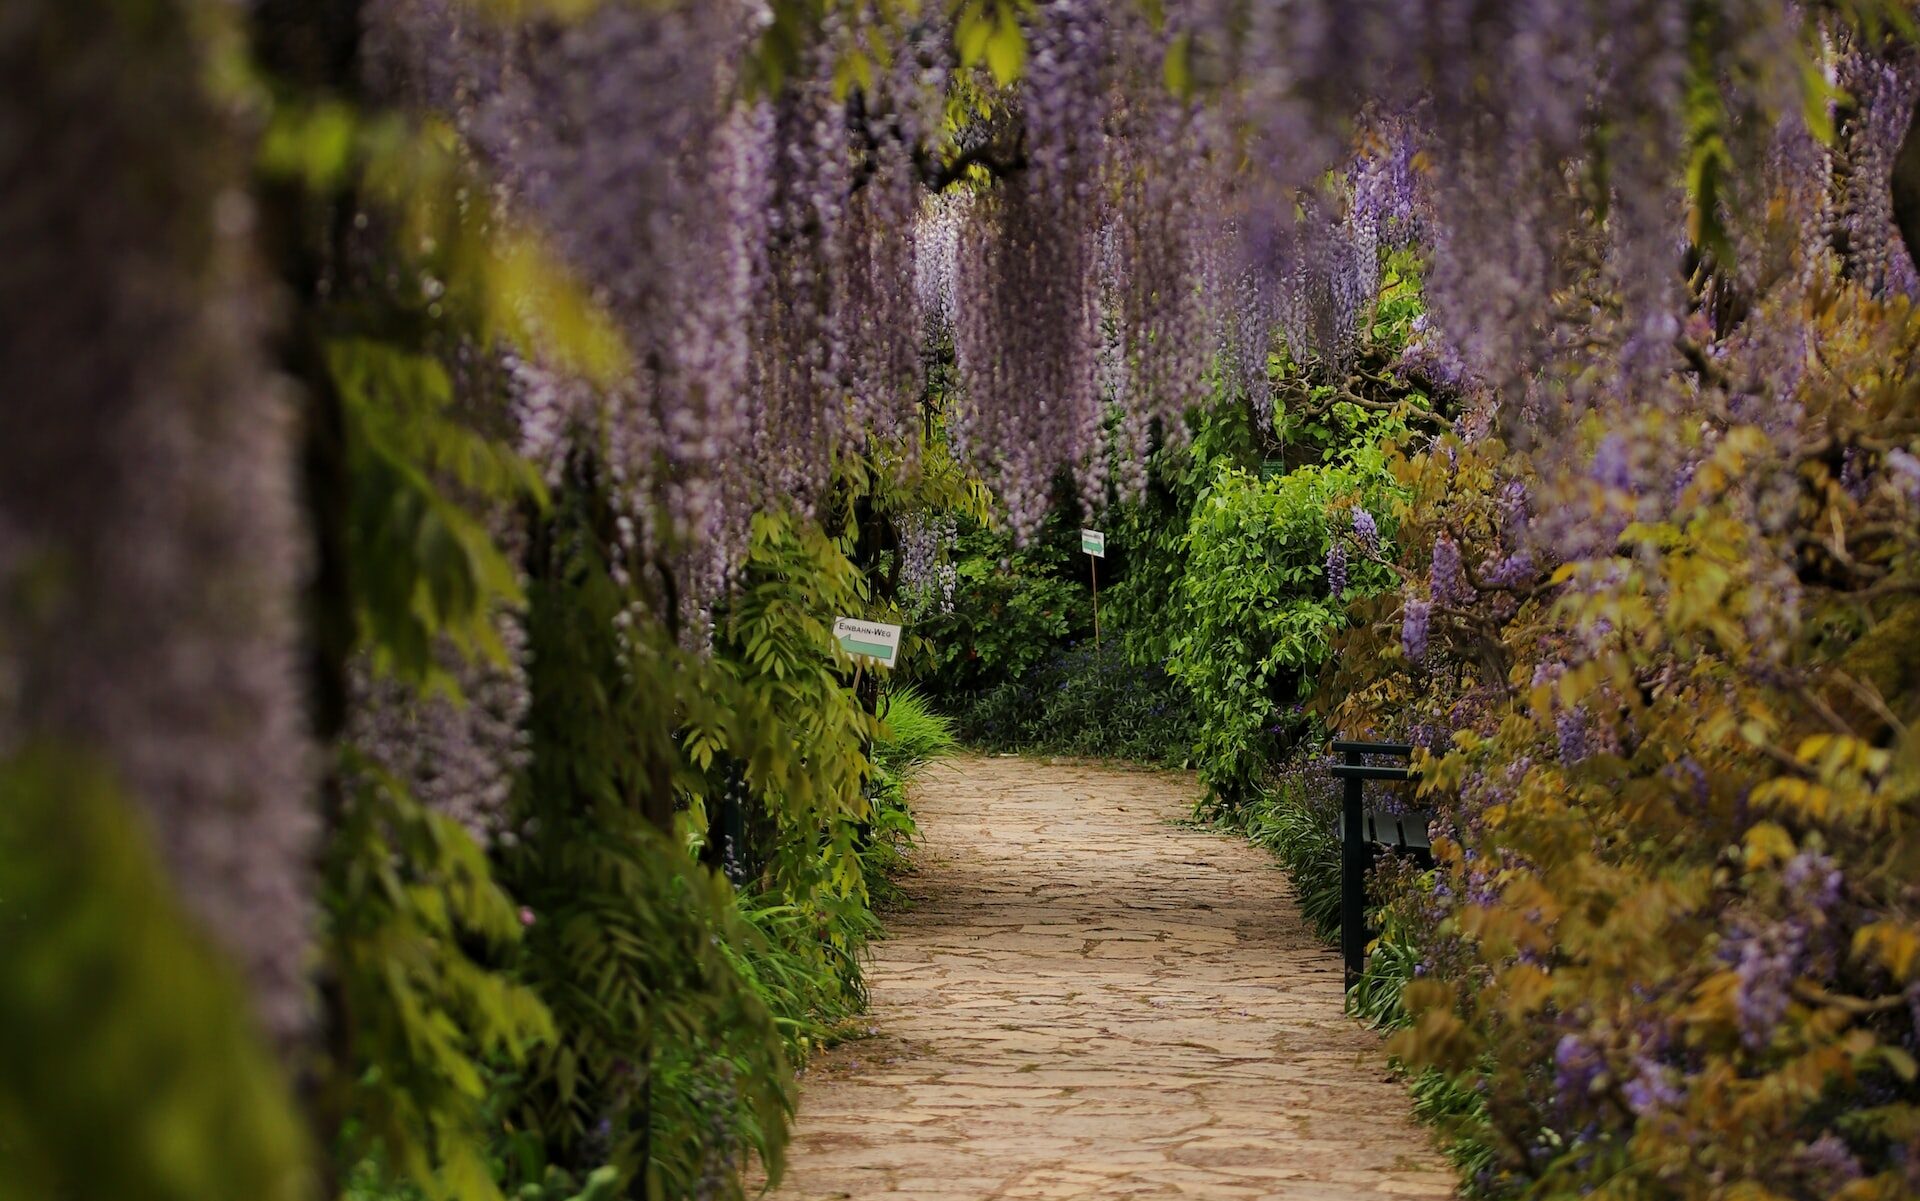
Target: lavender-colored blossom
[[1578, 1068], [1514, 510], [1905, 474], [1813, 881], [1828, 1163], [1512, 571], [1387, 194], [1572, 731], [1447, 578], [456, 754], [1652, 1086], [936, 255], [1413, 629], [1853, 480], [1886, 89], [1613, 464], [1366, 533], [1431, 360], [1765, 963], [1336, 569], [927, 573]]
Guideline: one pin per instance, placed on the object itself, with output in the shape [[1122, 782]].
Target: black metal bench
[[1362, 831]]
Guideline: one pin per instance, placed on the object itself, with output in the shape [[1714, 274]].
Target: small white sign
[[1094, 543], [874, 640]]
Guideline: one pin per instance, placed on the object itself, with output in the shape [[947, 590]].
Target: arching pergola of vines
[[405, 302]]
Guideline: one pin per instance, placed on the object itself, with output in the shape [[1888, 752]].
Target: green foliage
[[489, 278], [776, 703], [1452, 1105], [589, 1011], [425, 568], [1153, 529], [1086, 701], [636, 949], [406, 485], [1255, 619], [989, 32], [1678, 947], [808, 983], [1015, 605], [911, 734], [774, 699], [417, 929], [417, 934], [126, 1047]]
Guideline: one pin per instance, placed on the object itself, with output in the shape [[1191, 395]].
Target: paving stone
[[1086, 1000]]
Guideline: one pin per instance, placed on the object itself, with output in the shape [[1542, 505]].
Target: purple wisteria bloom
[[1366, 532], [1413, 629]]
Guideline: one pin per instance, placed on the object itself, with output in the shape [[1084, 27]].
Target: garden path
[[1086, 1000]]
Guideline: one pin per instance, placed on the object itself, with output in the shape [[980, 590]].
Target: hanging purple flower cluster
[[1245, 319], [1161, 236], [1366, 532], [774, 261], [1447, 578], [927, 572], [1336, 569], [1884, 91], [150, 540], [800, 344], [1415, 622], [657, 198], [839, 299], [1027, 335], [456, 754], [1026, 339], [937, 232]]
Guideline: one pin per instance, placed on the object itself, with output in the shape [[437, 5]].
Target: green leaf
[[1006, 48], [1178, 68]]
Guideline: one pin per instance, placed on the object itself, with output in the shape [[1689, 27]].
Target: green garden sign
[[1094, 543]]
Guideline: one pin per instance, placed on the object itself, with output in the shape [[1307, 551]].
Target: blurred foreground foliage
[[1671, 950], [557, 994], [119, 1016]]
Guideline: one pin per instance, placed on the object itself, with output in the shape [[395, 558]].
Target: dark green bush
[[1015, 607], [1084, 701]]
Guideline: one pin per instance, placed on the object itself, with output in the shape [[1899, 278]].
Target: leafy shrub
[[117, 1015], [912, 735], [1675, 953], [1014, 607], [1085, 701], [1255, 616], [1446, 1100]]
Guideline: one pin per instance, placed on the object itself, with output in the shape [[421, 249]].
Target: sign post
[[1094, 543]]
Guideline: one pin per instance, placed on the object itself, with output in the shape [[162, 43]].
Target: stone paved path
[[1086, 1001]]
